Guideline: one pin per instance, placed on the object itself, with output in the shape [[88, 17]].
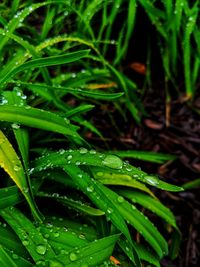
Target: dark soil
[[180, 138]]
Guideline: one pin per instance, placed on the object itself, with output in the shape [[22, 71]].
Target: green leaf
[[150, 203], [93, 94], [119, 179], [37, 118], [110, 163], [10, 162], [63, 238], [92, 254], [77, 205], [145, 156], [144, 253], [44, 62], [10, 241], [175, 244], [99, 196], [19, 261], [30, 237], [192, 184], [9, 196], [5, 259], [14, 98], [141, 223]]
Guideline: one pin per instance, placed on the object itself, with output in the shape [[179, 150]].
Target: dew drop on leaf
[[15, 126], [83, 150], [56, 234], [109, 210], [17, 168], [41, 249], [2, 140], [113, 162], [81, 236], [92, 151], [152, 180], [61, 151], [54, 263], [25, 242], [129, 168], [99, 173], [90, 189], [120, 199], [73, 256], [15, 256]]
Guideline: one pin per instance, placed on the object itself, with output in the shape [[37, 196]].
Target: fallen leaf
[[114, 260], [138, 67]]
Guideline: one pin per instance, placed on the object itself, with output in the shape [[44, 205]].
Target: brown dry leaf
[[153, 124], [138, 67], [114, 260]]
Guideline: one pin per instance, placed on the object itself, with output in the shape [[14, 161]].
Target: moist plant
[[62, 202], [178, 35]]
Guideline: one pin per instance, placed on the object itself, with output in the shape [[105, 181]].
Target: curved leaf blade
[[38, 118], [10, 162], [110, 163], [44, 62]]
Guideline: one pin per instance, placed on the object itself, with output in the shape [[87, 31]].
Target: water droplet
[[15, 256], [55, 195], [25, 242], [90, 189], [2, 140], [120, 199], [40, 263], [81, 236], [83, 150], [133, 207], [17, 168], [152, 180], [73, 256], [113, 162], [69, 157], [15, 126], [54, 263], [129, 168], [92, 151], [109, 210], [41, 249], [61, 151], [56, 234], [27, 107], [127, 248], [25, 190], [99, 173]]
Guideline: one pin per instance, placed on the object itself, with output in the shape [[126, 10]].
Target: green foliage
[[91, 203], [177, 26]]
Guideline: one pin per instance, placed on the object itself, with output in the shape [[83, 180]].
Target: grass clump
[[87, 205]]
